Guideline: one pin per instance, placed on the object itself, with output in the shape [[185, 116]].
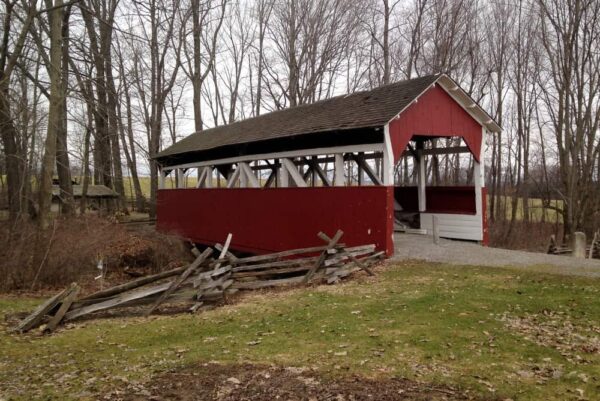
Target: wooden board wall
[[275, 219]]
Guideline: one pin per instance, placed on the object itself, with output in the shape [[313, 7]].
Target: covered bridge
[[275, 180]]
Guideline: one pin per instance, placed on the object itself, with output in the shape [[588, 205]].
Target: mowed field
[[485, 333]]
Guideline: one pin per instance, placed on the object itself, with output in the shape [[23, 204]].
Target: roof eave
[[467, 102]]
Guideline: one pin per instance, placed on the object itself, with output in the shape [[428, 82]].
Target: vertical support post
[[479, 181], [283, 175], [361, 173], [180, 183], [243, 175], [421, 183], [479, 184], [209, 177], [388, 157], [161, 178], [339, 179]]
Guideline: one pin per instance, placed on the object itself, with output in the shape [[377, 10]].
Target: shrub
[[70, 249]]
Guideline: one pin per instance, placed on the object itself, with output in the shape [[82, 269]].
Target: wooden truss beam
[[293, 172], [233, 178], [249, 175], [364, 166]]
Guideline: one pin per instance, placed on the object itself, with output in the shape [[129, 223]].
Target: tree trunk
[[15, 164], [55, 118], [63, 166]]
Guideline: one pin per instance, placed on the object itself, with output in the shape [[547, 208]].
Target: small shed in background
[[97, 196]]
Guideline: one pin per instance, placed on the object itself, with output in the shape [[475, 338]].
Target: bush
[[70, 249], [529, 236]]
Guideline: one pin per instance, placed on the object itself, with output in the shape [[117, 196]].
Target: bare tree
[[570, 35]]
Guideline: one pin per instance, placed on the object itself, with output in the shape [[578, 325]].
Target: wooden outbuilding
[[275, 180], [97, 195]]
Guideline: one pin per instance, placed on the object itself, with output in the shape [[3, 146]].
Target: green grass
[[432, 323]]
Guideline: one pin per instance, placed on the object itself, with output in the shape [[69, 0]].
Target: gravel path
[[421, 247]]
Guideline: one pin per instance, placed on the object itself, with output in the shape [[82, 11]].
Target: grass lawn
[[496, 333]]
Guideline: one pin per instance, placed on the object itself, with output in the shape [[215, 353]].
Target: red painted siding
[[435, 114], [276, 219], [456, 199]]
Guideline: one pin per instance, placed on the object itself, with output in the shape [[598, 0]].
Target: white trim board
[[371, 147], [455, 226]]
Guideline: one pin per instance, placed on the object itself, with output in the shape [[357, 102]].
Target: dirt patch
[[219, 382]]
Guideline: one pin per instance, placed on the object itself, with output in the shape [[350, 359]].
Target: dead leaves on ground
[[557, 330]]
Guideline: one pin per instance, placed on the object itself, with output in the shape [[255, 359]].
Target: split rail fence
[[209, 279]]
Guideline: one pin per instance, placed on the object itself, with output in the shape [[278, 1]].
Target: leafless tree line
[[90, 89]]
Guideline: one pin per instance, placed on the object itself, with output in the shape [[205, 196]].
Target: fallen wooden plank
[[207, 285], [344, 256], [228, 254], [331, 243], [277, 264], [176, 283], [211, 274], [116, 301], [224, 251], [64, 307], [278, 255], [253, 285], [36, 317], [271, 272], [134, 284], [337, 249], [361, 265]]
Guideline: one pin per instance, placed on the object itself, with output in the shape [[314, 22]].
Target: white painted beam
[[201, 177], [388, 157], [372, 147], [293, 172], [479, 176], [248, 175], [161, 178], [209, 177], [233, 178], [283, 178], [339, 178], [180, 178], [421, 183]]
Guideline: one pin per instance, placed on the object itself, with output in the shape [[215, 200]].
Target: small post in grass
[[436, 230], [579, 245]]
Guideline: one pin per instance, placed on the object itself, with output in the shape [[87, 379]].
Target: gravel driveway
[[410, 246]]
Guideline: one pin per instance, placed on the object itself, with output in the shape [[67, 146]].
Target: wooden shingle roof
[[366, 109], [93, 191], [342, 114]]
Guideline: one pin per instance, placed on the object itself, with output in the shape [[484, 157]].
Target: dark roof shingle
[[366, 109]]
